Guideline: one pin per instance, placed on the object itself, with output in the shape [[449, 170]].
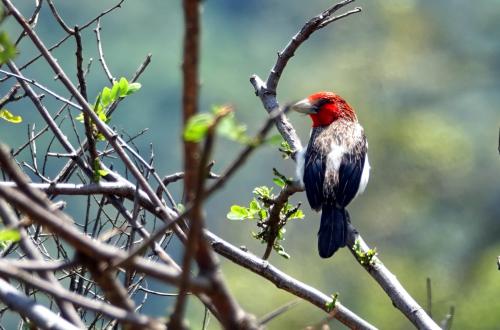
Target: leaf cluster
[[120, 89], [366, 259], [227, 126], [259, 208]]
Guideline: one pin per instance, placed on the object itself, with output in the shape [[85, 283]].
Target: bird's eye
[[320, 103]]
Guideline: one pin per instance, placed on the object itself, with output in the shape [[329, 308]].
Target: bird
[[334, 168]]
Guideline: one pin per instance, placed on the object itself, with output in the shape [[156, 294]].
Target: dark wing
[[350, 171], [314, 176]]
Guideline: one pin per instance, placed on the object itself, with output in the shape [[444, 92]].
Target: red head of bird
[[324, 108]]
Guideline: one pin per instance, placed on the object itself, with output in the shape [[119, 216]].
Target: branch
[[43, 317], [245, 259], [389, 283], [286, 282], [111, 311], [97, 31], [59, 19], [11, 220], [273, 222], [190, 91]]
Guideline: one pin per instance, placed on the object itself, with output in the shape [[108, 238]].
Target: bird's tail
[[332, 233]]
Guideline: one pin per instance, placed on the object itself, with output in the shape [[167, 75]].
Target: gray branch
[[43, 317]]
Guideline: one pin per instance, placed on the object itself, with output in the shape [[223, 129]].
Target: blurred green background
[[424, 77]]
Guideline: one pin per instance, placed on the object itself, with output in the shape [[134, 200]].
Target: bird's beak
[[304, 106]]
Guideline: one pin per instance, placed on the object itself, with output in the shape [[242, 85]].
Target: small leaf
[[7, 48], [254, 205], [80, 118], [286, 150], [105, 96], [263, 191], [133, 87], [279, 182], [197, 127], [284, 254], [281, 251], [238, 213], [274, 140], [123, 87], [229, 128], [331, 304], [181, 207], [102, 173], [6, 115], [115, 91], [297, 215], [12, 235], [281, 234]]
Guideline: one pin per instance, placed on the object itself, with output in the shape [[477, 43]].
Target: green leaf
[[297, 215], [115, 91], [105, 96], [197, 127], [12, 235], [238, 213], [263, 192], [281, 234], [7, 48], [263, 214], [6, 115], [181, 207], [286, 150], [102, 173], [281, 251], [284, 254], [254, 205], [123, 87], [279, 182], [133, 87], [229, 128], [80, 118], [274, 140], [331, 304]]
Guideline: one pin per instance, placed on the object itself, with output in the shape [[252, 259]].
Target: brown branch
[[195, 230], [37, 206], [111, 311], [245, 259], [89, 131], [60, 42], [11, 96], [107, 132], [190, 91], [10, 219]]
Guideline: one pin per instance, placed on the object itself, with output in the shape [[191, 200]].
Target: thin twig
[[59, 19], [97, 31]]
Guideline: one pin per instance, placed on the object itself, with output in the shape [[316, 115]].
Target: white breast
[[364, 177], [299, 170]]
